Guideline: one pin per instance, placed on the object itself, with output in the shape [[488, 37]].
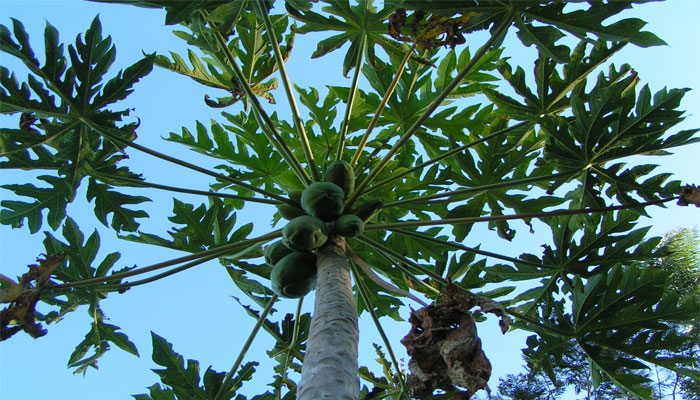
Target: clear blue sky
[[194, 310]]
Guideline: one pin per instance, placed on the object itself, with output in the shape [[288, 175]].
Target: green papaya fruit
[[341, 173], [275, 252], [294, 275], [349, 225], [289, 212], [304, 233], [323, 200], [295, 196], [367, 209]]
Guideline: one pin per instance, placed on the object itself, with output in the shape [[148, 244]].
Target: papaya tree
[[375, 190]]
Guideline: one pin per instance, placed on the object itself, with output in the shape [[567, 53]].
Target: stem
[[542, 214], [140, 183], [173, 271], [498, 185], [368, 305], [445, 155], [48, 139], [469, 249], [330, 365], [351, 99], [537, 322], [405, 260], [296, 115], [382, 105], [295, 337], [185, 164], [376, 151], [219, 251], [495, 37], [246, 346], [273, 136]]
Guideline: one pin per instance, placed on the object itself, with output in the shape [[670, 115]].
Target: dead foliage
[[23, 296], [445, 348]]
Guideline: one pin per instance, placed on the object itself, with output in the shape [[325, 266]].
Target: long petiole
[[219, 251], [296, 115], [445, 155], [185, 164], [295, 337], [495, 37], [263, 316], [542, 214], [477, 189], [403, 259], [382, 105], [368, 305], [351, 100], [459, 246], [141, 183], [273, 136], [173, 271]]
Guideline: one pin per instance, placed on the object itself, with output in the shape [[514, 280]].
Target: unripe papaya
[[323, 200], [275, 252], [295, 196], [341, 173], [367, 209], [294, 275], [349, 225], [304, 233], [289, 212]]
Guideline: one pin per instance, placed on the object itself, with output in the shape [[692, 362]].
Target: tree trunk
[[330, 365]]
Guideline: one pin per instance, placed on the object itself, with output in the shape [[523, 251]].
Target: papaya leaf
[[354, 22], [111, 202], [98, 338], [53, 199], [201, 228], [68, 96], [582, 23], [184, 378]]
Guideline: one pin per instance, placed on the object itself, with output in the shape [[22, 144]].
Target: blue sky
[[194, 310]]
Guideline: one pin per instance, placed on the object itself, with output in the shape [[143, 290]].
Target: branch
[[543, 214], [173, 271], [351, 99], [264, 120], [296, 116], [499, 185], [142, 183], [368, 305], [459, 246], [104, 132], [403, 259], [382, 105], [222, 389], [445, 155], [219, 251], [495, 37]]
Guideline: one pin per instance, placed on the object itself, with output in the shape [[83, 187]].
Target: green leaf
[[54, 199], [590, 21], [68, 97], [200, 228], [98, 338], [354, 22], [544, 37], [182, 378], [111, 202]]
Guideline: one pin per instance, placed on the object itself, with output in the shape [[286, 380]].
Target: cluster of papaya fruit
[[319, 212]]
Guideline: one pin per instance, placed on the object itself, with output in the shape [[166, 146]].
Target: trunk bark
[[330, 364]]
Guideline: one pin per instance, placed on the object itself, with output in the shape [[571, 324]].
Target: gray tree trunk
[[330, 365]]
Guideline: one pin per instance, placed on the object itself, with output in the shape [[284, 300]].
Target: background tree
[[682, 247], [553, 140]]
